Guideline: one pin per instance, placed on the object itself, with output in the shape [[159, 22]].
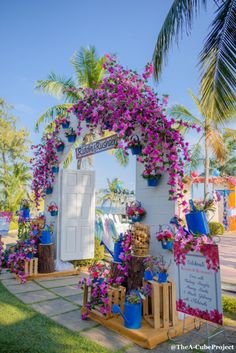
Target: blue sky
[[38, 37]]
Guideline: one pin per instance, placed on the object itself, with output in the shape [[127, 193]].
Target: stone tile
[[106, 338], [60, 282], [10, 281], [57, 278], [38, 296], [54, 307], [73, 321], [23, 288], [6, 275], [66, 291], [78, 299]]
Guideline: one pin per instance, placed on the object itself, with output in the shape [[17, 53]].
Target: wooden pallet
[[31, 267], [146, 336], [159, 309], [53, 275]]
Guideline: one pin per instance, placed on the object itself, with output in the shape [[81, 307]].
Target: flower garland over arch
[[126, 105]]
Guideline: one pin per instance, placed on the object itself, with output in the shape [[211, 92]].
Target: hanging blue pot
[[60, 148], [167, 245], [55, 169], [153, 181], [136, 218], [117, 251], [148, 275], [49, 190], [65, 125], [162, 277], [25, 212], [54, 213], [71, 138], [197, 222], [29, 256], [87, 120], [136, 150], [45, 237]]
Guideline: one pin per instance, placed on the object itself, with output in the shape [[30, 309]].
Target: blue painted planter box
[[168, 245], [46, 237], [49, 191], [153, 181], [162, 277], [136, 219], [54, 213]]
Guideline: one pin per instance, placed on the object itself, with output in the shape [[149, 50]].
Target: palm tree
[[89, 73], [217, 58], [212, 137]]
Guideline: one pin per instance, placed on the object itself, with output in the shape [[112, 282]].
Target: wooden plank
[[165, 306], [156, 305]]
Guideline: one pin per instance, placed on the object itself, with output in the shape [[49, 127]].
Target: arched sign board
[[98, 146]]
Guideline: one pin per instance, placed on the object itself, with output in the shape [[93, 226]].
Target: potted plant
[[162, 269], [25, 208], [153, 179], [55, 168], [166, 236], [135, 211], [70, 134], [135, 145], [48, 189], [133, 310], [65, 122], [149, 265], [45, 237], [53, 209], [60, 145]]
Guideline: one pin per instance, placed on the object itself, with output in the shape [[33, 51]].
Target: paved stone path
[[61, 300]]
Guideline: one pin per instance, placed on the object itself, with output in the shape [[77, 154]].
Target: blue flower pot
[[29, 256], [148, 275], [168, 245], [65, 125], [71, 138], [136, 150], [35, 232], [162, 277], [87, 120], [197, 222], [55, 170], [153, 181], [117, 251], [54, 213], [60, 148], [25, 212], [133, 315], [45, 237], [136, 219], [49, 191]]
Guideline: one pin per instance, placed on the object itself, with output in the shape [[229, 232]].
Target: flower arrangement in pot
[[133, 310], [65, 122], [149, 266], [25, 208], [60, 144], [162, 269], [135, 211], [53, 209], [70, 134], [55, 168], [48, 188], [135, 145], [153, 178], [166, 236]]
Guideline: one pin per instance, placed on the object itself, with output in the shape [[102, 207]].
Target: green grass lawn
[[23, 330]]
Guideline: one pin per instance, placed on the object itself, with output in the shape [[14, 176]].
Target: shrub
[[216, 228], [229, 304], [98, 255]]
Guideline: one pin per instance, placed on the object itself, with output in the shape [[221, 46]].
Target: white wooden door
[[77, 215]]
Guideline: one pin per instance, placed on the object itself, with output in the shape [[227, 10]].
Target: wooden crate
[[159, 309], [31, 267], [115, 295], [40, 223]]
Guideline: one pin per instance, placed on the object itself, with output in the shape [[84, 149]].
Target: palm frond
[[55, 85], [69, 157], [179, 17], [195, 156], [181, 112], [217, 145], [218, 64], [51, 113]]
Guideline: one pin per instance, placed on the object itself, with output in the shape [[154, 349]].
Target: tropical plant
[[217, 59], [212, 136]]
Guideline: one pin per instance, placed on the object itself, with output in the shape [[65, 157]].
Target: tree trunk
[[135, 273], [207, 165], [46, 258]]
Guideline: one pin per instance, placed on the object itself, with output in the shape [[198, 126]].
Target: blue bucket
[[136, 150], [148, 275], [45, 237], [71, 138], [25, 212], [117, 251], [136, 219], [197, 222], [60, 148], [49, 191], [153, 181], [54, 213], [65, 125], [29, 256], [162, 277], [168, 245], [55, 170], [133, 315]]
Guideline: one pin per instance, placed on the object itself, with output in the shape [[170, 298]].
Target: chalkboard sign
[[199, 285]]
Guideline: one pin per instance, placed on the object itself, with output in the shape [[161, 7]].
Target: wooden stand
[[135, 273], [31, 267], [46, 258], [140, 239], [159, 309]]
